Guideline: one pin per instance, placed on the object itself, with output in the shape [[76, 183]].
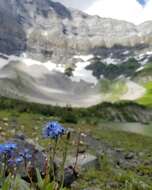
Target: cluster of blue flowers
[[53, 130], [7, 147], [22, 156], [9, 154]]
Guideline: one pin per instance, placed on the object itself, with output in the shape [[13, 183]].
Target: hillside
[[56, 55]]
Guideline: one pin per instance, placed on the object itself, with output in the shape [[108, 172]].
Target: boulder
[[84, 161]]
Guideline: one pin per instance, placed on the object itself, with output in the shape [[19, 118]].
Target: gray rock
[[19, 135], [85, 161], [70, 175], [129, 156], [35, 144]]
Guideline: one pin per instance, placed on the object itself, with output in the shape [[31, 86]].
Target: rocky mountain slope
[[56, 55]]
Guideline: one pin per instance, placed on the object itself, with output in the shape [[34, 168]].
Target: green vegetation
[[28, 118], [130, 142], [143, 76], [94, 114], [144, 73], [148, 65], [113, 90], [112, 177], [69, 71], [112, 71], [108, 175], [147, 98]]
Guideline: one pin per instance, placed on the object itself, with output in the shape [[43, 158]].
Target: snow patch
[[140, 68], [143, 62], [110, 60], [125, 52], [121, 77], [149, 52], [45, 33], [48, 65], [80, 72], [5, 59], [3, 62], [84, 57]]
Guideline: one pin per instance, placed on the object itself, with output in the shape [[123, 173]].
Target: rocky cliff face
[[12, 35], [43, 44], [49, 28]]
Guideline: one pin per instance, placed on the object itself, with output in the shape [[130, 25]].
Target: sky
[[135, 11]]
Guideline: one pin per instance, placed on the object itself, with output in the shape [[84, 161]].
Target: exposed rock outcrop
[[50, 29]]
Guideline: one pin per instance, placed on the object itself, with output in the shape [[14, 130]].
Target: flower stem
[[64, 159], [52, 158], [77, 151], [5, 165]]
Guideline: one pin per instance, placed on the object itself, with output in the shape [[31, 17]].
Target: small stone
[[129, 156], [3, 134], [74, 185], [119, 149], [147, 162], [37, 139], [20, 136], [5, 119], [13, 131], [93, 182], [92, 188], [82, 149], [113, 185], [141, 154], [6, 124], [41, 118], [36, 127], [22, 127], [69, 176], [83, 135]]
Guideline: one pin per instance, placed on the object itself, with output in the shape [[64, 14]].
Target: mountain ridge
[[71, 26]]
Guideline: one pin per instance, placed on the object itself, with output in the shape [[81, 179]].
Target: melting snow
[[49, 65], [45, 33], [3, 62], [109, 61], [140, 68], [125, 52], [5, 59], [80, 72], [84, 57], [149, 52]]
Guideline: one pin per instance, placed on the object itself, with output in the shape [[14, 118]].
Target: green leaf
[[7, 184], [39, 179], [49, 186], [20, 184]]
